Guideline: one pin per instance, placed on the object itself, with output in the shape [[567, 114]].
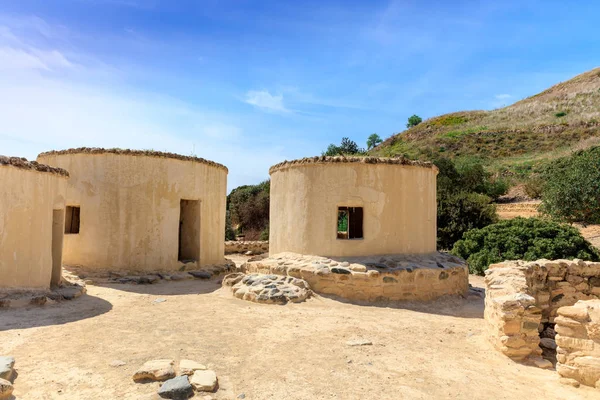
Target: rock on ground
[[176, 388], [188, 367], [7, 368], [204, 381], [155, 370], [6, 389], [359, 342], [270, 289]]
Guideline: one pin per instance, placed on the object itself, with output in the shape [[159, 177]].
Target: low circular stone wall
[[382, 278]]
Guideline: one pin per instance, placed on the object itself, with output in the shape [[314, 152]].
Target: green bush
[[571, 190], [560, 114], [522, 239], [413, 120], [264, 235], [534, 186], [248, 208], [461, 212], [229, 231]]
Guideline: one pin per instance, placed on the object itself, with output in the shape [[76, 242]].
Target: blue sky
[[252, 83]]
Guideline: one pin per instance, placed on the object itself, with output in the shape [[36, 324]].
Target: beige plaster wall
[[130, 209], [399, 203], [27, 201]]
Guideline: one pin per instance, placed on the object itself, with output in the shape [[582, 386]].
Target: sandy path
[[297, 351]]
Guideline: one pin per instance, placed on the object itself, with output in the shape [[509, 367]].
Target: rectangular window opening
[[189, 230], [350, 223], [72, 220]]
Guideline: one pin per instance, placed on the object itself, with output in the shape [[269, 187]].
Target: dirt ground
[[436, 350]]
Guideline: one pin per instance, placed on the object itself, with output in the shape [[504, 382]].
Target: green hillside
[[512, 139]]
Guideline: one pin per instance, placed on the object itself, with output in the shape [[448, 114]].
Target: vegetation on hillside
[[571, 187], [464, 199], [513, 139], [248, 211], [522, 239], [346, 147]]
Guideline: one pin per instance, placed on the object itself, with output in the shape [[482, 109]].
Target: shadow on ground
[[470, 307], [63, 312], [169, 288]]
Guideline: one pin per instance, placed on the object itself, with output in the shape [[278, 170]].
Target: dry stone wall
[[256, 247], [578, 339], [381, 278], [523, 299]]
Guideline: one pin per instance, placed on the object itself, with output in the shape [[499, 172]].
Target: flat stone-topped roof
[[22, 163], [129, 152], [343, 159]]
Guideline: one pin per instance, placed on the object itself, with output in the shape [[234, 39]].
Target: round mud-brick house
[[141, 211], [32, 206], [353, 206]]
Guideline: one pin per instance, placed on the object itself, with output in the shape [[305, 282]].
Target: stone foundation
[[523, 298], [256, 247], [380, 278], [578, 340], [268, 289]]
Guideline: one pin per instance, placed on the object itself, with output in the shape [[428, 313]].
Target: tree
[[248, 208], [464, 196], [571, 188], [346, 147], [526, 239], [373, 141], [414, 120]]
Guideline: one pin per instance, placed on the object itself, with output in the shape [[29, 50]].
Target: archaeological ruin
[[547, 309], [141, 211], [362, 228], [32, 203]]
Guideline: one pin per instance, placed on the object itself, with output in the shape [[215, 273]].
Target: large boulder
[[155, 370]]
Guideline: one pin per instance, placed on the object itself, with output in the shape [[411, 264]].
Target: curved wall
[[398, 200], [130, 209], [28, 201]]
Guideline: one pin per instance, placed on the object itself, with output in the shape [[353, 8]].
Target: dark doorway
[[189, 230], [58, 222], [350, 223]]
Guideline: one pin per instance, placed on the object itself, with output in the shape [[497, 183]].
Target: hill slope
[[547, 125]]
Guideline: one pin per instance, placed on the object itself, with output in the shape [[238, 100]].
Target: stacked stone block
[[523, 298], [256, 247], [578, 339]]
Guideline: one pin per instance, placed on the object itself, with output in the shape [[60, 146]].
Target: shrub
[[534, 186], [560, 114], [373, 140], [571, 190], [229, 231], [249, 209], [346, 147], [522, 239], [264, 235], [461, 212], [414, 120]]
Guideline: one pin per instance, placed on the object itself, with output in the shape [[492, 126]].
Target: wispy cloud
[[266, 101], [503, 96]]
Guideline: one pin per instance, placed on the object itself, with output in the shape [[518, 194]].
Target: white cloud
[[266, 101], [49, 102], [503, 96]]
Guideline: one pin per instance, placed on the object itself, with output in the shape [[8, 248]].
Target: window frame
[[341, 207]]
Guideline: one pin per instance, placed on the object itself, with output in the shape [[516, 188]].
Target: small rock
[[200, 274], [155, 370], [6, 389], [359, 342], [570, 382], [241, 396], [159, 301], [204, 381], [176, 388], [188, 367], [548, 343], [7, 368], [117, 363], [542, 363]]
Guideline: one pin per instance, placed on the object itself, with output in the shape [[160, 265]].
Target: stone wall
[[523, 298], [578, 339], [256, 247], [381, 278]]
